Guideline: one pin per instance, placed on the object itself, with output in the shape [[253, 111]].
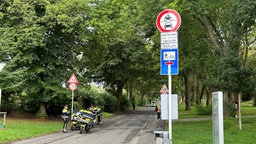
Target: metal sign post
[[73, 81], [170, 102], [170, 99], [168, 22], [72, 105]]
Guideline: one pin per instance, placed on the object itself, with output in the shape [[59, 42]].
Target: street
[[134, 127]]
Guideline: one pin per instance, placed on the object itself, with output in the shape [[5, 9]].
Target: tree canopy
[[117, 45]]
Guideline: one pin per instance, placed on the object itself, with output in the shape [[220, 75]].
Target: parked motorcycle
[[76, 118], [87, 121]]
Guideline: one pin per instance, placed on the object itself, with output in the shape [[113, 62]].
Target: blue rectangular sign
[[169, 55]]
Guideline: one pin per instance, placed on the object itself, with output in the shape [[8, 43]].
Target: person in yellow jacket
[[98, 112], [65, 114]]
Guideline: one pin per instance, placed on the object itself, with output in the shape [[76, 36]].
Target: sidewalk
[[147, 134]]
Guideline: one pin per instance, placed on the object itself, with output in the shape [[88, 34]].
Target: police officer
[[97, 111], [65, 114], [99, 114]]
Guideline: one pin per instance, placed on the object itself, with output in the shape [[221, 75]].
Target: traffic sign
[[164, 89], [169, 56], [168, 20], [72, 86], [73, 79], [169, 40]]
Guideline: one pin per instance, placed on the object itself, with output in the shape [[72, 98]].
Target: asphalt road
[[135, 127]]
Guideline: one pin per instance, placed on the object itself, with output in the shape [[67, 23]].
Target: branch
[[252, 42]]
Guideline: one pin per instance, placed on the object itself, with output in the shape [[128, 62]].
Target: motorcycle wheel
[[81, 129], [87, 128]]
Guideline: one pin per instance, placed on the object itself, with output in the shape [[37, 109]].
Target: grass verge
[[200, 132], [17, 129]]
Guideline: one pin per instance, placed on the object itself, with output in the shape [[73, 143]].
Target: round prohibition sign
[[72, 86], [168, 21]]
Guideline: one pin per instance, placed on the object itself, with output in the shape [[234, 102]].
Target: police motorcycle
[[76, 118], [87, 121]]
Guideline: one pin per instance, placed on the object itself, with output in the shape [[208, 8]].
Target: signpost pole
[[73, 81], [169, 21], [170, 102], [72, 104]]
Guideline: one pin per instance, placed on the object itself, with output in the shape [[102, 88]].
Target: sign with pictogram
[[164, 89], [168, 21], [73, 79], [169, 56]]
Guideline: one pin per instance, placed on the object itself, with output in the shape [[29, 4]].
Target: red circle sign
[[168, 21], [72, 86]]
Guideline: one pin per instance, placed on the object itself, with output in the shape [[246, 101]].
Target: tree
[[41, 38], [117, 51]]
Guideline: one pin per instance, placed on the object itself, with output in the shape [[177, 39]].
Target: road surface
[[134, 127]]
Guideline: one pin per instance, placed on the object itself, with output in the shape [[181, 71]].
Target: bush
[[203, 110], [124, 103], [110, 102]]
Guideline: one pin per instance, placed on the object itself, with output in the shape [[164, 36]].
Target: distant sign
[[164, 89], [73, 79], [168, 20]]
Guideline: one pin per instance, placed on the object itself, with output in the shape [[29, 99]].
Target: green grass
[[246, 110], [106, 115], [200, 132], [19, 129], [188, 114], [193, 132]]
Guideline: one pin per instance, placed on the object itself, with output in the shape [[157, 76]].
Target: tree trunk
[[119, 95], [43, 107], [198, 100], [187, 90], [141, 99], [193, 91], [254, 100], [201, 94], [209, 95], [42, 110], [129, 90]]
